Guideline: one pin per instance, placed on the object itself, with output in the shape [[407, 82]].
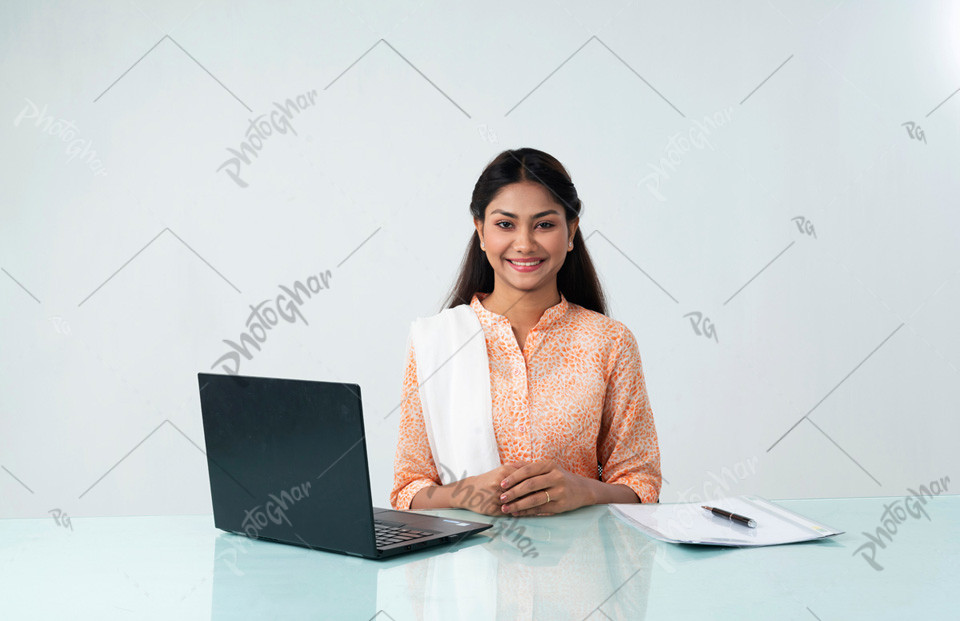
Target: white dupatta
[[453, 374]]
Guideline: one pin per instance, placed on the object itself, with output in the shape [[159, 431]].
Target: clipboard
[[690, 523]]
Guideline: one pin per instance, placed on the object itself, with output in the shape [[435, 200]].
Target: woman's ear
[[479, 226], [572, 225]]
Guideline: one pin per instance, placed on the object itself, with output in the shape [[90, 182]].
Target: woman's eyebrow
[[533, 217]]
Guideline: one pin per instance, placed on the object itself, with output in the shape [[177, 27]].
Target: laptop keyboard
[[389, 534]]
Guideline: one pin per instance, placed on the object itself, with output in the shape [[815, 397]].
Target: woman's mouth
[[527, 265]]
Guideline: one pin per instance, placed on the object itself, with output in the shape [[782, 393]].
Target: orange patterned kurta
[[575, 393]]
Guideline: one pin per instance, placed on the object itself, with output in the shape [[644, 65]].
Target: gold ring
[[548, 495]]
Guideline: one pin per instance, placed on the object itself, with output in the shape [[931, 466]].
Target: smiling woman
[[549, 412]]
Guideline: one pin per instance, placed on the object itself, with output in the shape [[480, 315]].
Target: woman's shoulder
[[594, 325]]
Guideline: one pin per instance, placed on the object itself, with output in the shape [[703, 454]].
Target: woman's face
[[524, 224]]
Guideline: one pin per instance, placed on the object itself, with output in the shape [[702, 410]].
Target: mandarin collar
[[548, 318]]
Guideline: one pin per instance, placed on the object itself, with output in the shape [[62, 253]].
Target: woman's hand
[[481, 493], [544, 488]]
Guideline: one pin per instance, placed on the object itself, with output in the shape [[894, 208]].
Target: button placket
[[517, 379], [529, 347], [521, 391], [520, 384]]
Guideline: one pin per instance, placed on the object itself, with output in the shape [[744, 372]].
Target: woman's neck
[[522, 308]]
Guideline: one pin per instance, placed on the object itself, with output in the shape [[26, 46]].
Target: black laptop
[[288, 463]]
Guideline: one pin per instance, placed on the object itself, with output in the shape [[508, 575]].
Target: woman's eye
[[547, 225]]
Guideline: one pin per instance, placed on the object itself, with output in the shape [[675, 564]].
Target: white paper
[[690, 523]]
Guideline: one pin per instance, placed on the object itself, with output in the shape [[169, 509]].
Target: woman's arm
[[627, 443], [545, 488], [416, 480], [607, 493], [480, 494], [434, 497], [413, 467]]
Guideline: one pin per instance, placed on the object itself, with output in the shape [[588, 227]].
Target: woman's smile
[[525, 265]]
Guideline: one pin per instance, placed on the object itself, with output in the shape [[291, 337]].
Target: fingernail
[[503, 496], [503, 484]]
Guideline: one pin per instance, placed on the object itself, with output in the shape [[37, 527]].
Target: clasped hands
[[521, 488]]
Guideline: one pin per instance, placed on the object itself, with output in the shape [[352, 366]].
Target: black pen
[[740, 519]]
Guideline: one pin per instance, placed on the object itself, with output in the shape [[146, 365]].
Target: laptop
[[288, 463]]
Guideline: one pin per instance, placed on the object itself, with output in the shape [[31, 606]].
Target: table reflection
[[559, 567]]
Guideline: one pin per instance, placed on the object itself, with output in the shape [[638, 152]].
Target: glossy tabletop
[[586, 564]]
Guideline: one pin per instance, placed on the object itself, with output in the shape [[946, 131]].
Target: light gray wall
[[748, 163]]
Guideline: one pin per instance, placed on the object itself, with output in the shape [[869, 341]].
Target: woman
[[567, 422]]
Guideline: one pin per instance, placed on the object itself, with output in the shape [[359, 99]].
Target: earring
[[481, 246], [571, 245]]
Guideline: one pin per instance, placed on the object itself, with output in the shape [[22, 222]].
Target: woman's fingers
[[533, 501], [527, 471], [528, 486]]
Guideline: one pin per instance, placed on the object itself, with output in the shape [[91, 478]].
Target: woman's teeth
[[526, 263]]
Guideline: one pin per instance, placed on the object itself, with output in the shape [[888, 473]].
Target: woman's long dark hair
[[577, 279]]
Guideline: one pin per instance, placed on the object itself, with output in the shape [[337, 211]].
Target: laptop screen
[[288, 461]]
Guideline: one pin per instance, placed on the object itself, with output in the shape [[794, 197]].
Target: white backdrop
[[767, 193]]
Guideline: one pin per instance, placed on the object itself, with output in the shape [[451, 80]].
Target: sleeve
[[628, 448], [413, 467]]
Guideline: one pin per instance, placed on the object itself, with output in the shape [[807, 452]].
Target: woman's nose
[[524, 239]]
